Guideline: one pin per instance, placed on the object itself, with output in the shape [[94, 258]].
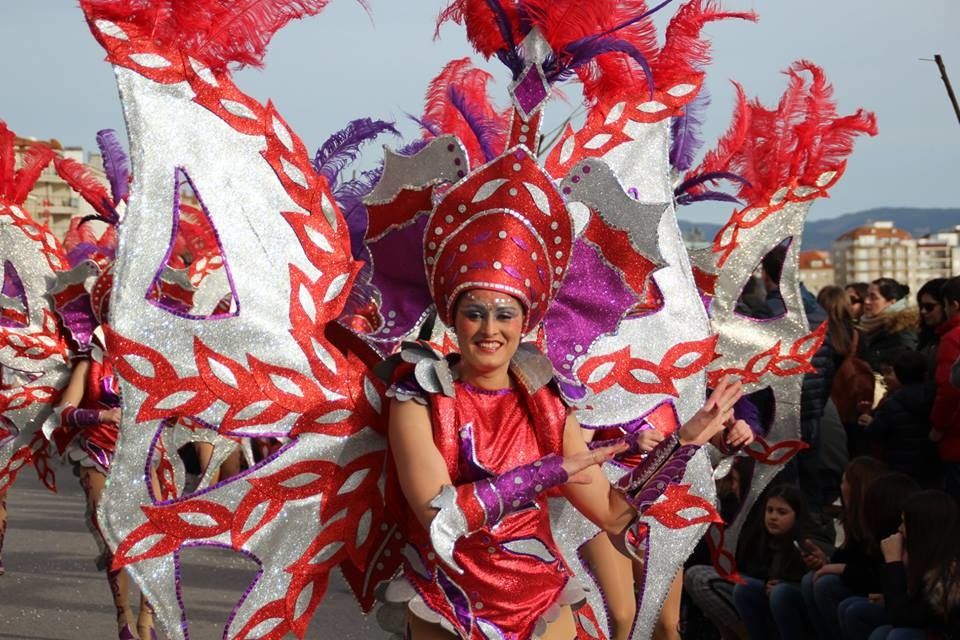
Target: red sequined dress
[[514, 578], [93, 446]]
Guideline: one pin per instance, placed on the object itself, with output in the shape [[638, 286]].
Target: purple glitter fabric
[[670, 473], [644, 472], [530, 91], [518, 488], [78, 317], [399, 276], [591, 303]]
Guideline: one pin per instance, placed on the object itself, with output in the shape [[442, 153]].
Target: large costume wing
[[34, 354], [262, 366], [789, 156]]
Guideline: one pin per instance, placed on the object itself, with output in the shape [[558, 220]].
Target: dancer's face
[[779, 517], [489, 325]]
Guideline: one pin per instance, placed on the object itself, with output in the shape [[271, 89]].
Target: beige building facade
[[879, 250], [816, 270], [52, 201]]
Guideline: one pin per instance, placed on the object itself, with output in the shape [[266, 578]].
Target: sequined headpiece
[[504, 227]]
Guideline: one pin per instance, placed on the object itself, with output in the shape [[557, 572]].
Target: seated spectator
[[899, 427], [922, 573], [883, 506], [829, 583], [769, 601]]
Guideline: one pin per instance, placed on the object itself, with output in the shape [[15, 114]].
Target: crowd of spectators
[[858, 537]]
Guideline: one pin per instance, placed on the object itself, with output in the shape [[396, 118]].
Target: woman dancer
[[90, 412], [480, 503]]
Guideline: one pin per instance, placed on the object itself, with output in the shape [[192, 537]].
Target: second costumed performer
[[478, 439]]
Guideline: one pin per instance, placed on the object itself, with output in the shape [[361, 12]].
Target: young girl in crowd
[[828, 583], [921, 593], [769, 601], [883, 504]]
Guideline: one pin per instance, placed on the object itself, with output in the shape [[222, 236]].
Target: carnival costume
[[480, 212]]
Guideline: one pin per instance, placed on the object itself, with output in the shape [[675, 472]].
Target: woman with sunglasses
[[932, 315]]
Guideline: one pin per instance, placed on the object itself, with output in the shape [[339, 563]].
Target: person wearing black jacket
[[899, 427], [921, 585]]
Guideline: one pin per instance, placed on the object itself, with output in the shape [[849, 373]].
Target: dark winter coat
[[901, 430]]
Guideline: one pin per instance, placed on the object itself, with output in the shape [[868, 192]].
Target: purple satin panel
[[470, 468], [78, 317], [12, 284], [457, 598], [519, 487], [591, 303], [108, 394], [399, 276], [97, 454]]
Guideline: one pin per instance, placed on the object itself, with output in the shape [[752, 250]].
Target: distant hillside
[[820, 234]]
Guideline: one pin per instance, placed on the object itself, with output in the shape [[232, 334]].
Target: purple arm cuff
[[79, 418], [518, 488]]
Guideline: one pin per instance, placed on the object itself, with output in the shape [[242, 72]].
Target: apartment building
[[816, 270], [879, 250], [52, 201]]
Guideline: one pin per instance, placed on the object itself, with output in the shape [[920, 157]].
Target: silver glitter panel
[[26, 376], [244, 198], [741, 337], [642, 163]]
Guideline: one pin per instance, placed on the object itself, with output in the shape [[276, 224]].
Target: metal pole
[[946, 81]]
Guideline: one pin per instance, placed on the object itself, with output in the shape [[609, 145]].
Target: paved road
[[53, 591]]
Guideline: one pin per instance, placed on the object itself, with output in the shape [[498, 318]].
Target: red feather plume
[[482, 30], [441, 112], [86, 184], [15, 184], [802, 138], [723, 155], [614, 74], [684, 51], [214, 32]]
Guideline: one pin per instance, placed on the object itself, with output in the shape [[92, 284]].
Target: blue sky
[[324, 71]]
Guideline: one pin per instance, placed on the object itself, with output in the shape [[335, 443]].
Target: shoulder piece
[[416, 371]]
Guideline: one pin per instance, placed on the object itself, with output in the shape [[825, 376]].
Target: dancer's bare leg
[[145, 617], [93, 482], [204, 455], [231, 466], [614, 573], [668, 626]]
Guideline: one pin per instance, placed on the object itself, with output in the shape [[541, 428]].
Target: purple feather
[[116, 164], [508, 55], [584, 50], [426, 125], [712, 176], [686, 131], [343, 147], [485, 129], [349, 196], [717, 196]]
